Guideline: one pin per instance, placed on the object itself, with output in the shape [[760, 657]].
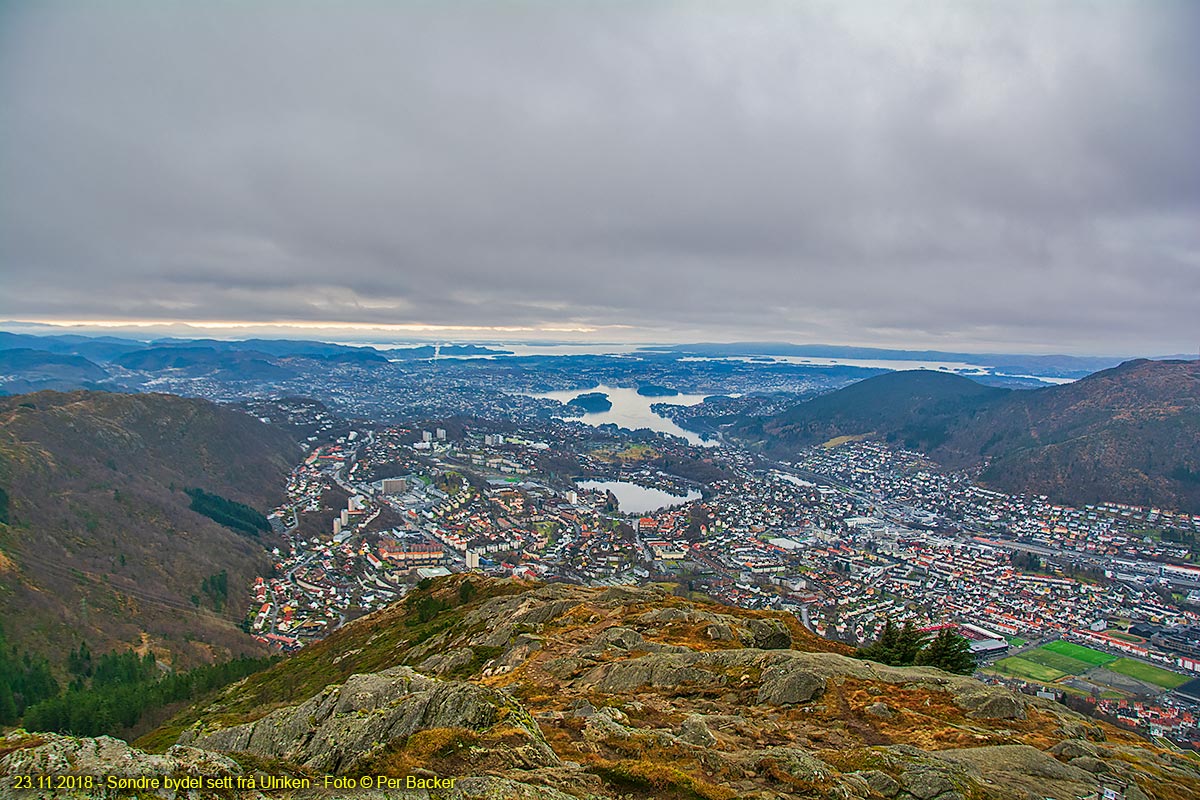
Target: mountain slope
[[93, 348], [197, 361], [560, 691], [101, 545], [22, 369], [914, 406], [1131, 434], [1128, 434]]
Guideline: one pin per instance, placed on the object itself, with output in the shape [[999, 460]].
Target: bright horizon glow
[[356, 333], [363, 326]]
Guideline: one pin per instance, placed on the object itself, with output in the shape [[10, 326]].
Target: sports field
[[1148, 673], [1023, 668], [1065, 664], [1126, 637], [1079, 652]]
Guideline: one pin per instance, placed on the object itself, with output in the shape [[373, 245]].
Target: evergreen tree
[[79, 662], [949, 651], [126, 687], [884, 649], [216, 589], [909, 643], [8, 706], [466, 591]]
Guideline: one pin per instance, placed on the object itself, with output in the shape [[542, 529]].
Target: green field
[[1126, 637], [1015, 641], [1022, 668], [1079, 652], [1148, 673], [1049, 658]]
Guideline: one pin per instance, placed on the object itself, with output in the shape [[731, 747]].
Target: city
[[845, 537]]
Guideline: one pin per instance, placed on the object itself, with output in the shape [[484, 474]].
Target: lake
[[632, 410], [635, 499]]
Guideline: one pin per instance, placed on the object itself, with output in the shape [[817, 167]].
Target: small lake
[[632, 410], [635, 499]]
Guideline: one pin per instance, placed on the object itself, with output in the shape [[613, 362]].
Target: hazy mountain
[[109, 348], [356, 355], [198, 361], [271, 347], [99, 349], [101, 544], [429, 351], [23, 370], [1129, 434]]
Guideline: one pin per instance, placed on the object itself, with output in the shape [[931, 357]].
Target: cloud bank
[[962, 175]]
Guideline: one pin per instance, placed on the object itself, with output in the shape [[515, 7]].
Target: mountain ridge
[[1126, 434]]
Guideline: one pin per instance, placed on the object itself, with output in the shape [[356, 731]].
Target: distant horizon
[[366, 335]]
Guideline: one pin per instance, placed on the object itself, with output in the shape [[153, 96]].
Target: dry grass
[[837, 440], [692, 635], [423, 750], [651, 778], [25, 743]]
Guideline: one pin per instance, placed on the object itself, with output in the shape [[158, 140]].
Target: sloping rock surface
[[337, 730], [629, 692]]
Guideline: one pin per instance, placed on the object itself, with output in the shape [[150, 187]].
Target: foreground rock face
[[565, 692], [345, 726], [48, 754]]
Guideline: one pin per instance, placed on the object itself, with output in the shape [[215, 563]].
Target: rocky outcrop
[[629, 692], [443, 663], [767, 634], [1023, 766], [789, 683], [49, 754], [492, 787], [787, 678], [990, 702], [763, 634], [793, 764], [695, 731], [674, 671], [344, 726]]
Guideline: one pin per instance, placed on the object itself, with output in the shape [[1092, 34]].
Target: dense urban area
[[630, 466], [846, 536]]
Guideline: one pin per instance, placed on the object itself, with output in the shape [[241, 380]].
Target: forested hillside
[[101, 543]]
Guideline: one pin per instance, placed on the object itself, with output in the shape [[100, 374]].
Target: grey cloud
[[951, 174]]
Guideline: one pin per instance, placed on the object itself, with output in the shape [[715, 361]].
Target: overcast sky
[[964, 175]]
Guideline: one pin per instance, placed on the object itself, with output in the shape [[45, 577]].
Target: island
[[651, 390], [431, 351], [592, 402]]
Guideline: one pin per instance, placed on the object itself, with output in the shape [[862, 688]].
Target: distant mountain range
[[31, 363], [100, 542], [30, 370], [111, 362], [1127, 434], [1048, 366]]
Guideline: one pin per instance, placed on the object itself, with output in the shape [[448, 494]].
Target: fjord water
[[632, 410]]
